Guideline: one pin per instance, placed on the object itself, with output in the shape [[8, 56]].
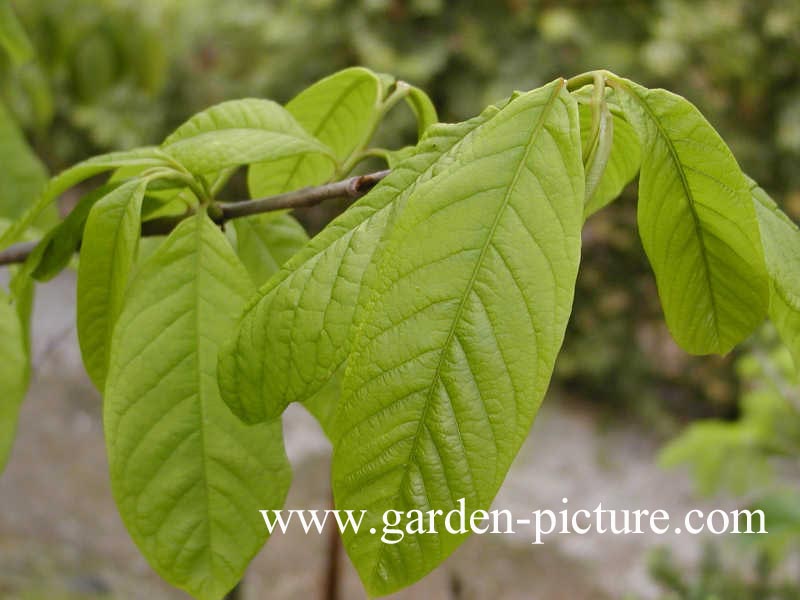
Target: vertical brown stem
[[331, 589]]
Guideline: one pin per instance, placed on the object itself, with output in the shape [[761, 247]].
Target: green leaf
[[265, 242], [12, 35], [15, 309], [340, 111], [23, 174], [623, 162], [240, 132], [421, 106], [697, 224], [188, 477], [293, 337], [57, 248], [781, 239], [456, 342], [108, 253], [66, 179]]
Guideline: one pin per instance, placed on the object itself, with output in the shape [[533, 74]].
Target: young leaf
[[697, 224], [265, 242], [12, 35], [108, 252], [15, 307], [66, 179], [188, 477], [458, 337], [340, 111], [781, 239], [623, 162], [306, 310], [23, 174], [421, 106], [240, 132], [55, 250]]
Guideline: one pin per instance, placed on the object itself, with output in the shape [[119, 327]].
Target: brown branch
[[352, 187]]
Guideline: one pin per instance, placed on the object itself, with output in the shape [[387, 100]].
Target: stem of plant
[[352, 187], [330, 590]]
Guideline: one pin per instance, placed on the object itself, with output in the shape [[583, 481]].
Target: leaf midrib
[[198, 372], [691, 202], [460, 309]]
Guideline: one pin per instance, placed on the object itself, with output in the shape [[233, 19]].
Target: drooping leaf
[[240, 132], [293, 337], [108, 252], [15, 308], [422, 107], [697, 224], [74, 175], [55, 250], [623, 161], [265, 242], [188, 477], [12, 35], [781, 239], [456, 341], [340, 111], [23, 174]]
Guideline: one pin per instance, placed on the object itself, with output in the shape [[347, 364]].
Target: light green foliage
[[623, 160], [239, 132], [108, 253], [781, 240], [13, 38], [739, 455], [23, 174], [341, 111], [188, 477], [57, 248], [265, 242], [142, 157], [464, 317], [422, 107], [782, 510], [307, 309], [420, 327], [697, 224], [15, 309]]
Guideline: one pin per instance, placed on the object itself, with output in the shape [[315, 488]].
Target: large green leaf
[[697, 224], [22, 174], [108, 253], [148, 156], [240, 132], [293, 338], [458, 336], [340, 111], [15, 308], [265, 242], [623, 162], [188, 477], [781, 239]]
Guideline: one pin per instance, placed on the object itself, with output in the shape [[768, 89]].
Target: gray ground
[[60, 536]]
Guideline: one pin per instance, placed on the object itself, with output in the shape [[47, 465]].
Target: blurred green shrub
[[713, 579], [752, 457]]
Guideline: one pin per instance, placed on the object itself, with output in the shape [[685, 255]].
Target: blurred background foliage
[[114, 74]]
